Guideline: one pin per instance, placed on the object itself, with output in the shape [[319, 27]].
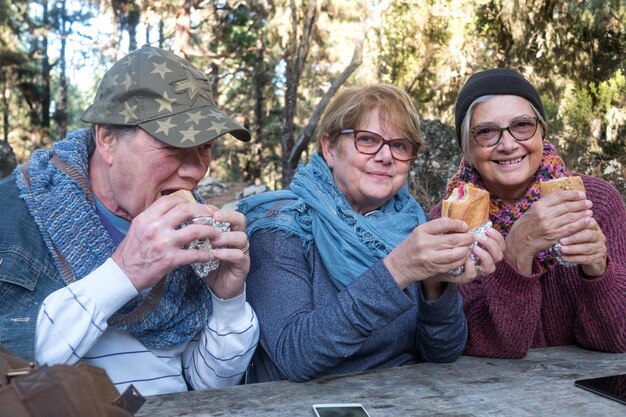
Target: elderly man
[[94, 263]]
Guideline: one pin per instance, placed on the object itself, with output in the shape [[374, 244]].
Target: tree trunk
[[61, 110], [291, 154], [132, 21], [45, 70], [7, 159], [295, 58], [5, 106], [259, 76]]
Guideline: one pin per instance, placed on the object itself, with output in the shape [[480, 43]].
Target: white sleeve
[[71, 319], [219, 355]]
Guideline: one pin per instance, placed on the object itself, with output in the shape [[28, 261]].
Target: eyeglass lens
[[370, 143], [490, 134]]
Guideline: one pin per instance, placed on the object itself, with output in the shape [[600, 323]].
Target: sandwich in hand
[[187, 195], [558, 184], [467, 203], [552, 186]]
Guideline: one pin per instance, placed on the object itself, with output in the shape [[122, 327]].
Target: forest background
[[275, 64]]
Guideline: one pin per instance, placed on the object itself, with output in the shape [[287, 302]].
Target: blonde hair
[[351, 105]]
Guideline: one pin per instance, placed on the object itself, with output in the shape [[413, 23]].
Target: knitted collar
[[314, 210], [503, 213], [55, 186]]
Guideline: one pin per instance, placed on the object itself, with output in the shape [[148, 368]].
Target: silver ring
[[245, 248], [480, 271]]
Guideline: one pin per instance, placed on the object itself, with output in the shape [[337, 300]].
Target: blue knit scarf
[[314, 209], [55, 187]]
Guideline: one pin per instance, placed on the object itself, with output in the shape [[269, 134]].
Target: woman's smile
[[514, 161]]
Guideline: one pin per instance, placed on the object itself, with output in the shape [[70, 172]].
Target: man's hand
[[231, 248], [154, 245]]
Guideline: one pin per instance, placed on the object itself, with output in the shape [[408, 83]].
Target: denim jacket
[[27, 272]]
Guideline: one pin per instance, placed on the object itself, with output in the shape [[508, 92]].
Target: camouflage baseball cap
[[164, 95]]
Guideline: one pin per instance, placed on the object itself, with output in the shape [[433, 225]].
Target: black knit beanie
[[497, 81]]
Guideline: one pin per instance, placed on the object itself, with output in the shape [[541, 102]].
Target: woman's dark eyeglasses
[[487, 135], [369, 143]]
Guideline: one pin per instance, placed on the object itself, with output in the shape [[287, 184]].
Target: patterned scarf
[[314, 209], [503, 213], [55, 187]]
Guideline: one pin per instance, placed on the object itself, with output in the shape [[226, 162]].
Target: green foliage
[[579, 112], [597, 112], [413, 44], [584, 40], [5, 14], [610, 96], [553, 116], [595, 129], [610, 92], [573, 51]]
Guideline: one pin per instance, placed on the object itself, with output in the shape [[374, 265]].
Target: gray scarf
[[55, 186]]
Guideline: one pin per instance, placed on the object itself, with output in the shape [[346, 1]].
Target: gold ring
[[245, 248], [480, 270]]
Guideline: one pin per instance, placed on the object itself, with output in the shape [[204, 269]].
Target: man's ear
[[328, 150], [105, 143]]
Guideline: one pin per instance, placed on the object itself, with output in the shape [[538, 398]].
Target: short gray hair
[[465, 124]]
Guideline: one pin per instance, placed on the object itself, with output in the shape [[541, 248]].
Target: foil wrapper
[[555, 250], [478, 231], [203, 269]]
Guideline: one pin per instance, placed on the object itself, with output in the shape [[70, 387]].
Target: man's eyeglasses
[[369, 143], [487, 135]]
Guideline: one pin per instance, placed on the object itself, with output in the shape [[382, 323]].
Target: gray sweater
[[309, 328]]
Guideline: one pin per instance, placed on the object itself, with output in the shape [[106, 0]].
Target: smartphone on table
[[613, 386], [340, 410]]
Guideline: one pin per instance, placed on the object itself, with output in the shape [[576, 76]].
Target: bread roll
[[469, 204], [187, 195], [565, 183]]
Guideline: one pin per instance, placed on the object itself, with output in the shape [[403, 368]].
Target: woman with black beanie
[[563, 277]]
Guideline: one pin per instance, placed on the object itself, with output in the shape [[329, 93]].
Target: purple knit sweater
[[509, 313]]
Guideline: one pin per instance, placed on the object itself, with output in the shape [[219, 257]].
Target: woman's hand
[[586, 248], [489, 250], [548, 220], [432, 249]]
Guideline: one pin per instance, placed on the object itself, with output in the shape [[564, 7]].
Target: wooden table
[[542, 384]]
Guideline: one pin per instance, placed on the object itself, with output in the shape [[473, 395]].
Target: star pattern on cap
[[127, 82], [136, 91], [151, 53], [217, 115], [194, 86], [129, 112], [165, 102], [165, 125], [160, 69], [218, 127], [122, 65], [194, 117], [189, 135]]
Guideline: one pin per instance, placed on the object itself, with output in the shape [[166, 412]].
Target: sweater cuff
[[603, 286], [506, 276], [448, 298], [367, 294]]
